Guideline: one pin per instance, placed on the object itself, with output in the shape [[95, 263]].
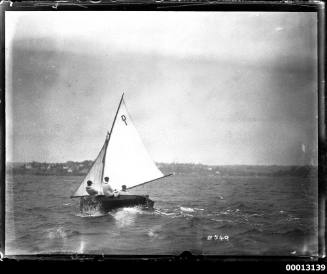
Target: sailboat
[[124, 159]]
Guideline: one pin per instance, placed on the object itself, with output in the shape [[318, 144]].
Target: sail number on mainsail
[[123, 117]]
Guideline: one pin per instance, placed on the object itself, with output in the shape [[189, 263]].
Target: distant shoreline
[[71, 168]]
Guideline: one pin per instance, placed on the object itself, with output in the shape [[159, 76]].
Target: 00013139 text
[[305, 267]]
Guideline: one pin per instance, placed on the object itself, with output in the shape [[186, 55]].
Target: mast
[[109, 135], [113, 123]]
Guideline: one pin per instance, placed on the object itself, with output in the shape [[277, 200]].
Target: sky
[[218, 88]]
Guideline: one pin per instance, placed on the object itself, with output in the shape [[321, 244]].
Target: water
[[204, 214]]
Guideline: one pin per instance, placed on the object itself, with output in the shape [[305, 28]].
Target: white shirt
[[107, 190]]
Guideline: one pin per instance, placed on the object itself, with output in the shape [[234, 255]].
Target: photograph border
[[181, 6]]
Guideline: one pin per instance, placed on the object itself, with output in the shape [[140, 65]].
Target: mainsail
[[123, 158]]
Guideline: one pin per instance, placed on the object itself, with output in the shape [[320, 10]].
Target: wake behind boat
[[124, 162]]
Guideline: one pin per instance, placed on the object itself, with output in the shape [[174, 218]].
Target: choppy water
[[202, 214]]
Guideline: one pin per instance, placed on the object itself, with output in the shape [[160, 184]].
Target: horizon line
[[183, 163]]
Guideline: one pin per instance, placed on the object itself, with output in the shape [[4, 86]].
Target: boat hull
[[105, 204]]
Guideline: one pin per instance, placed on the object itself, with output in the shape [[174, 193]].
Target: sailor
[[116, 193], [90, 190], [107, 190], [123, 188]]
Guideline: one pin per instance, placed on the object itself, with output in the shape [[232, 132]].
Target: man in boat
[[90, 190], [116, 193], [123, 188], [107, 190]]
